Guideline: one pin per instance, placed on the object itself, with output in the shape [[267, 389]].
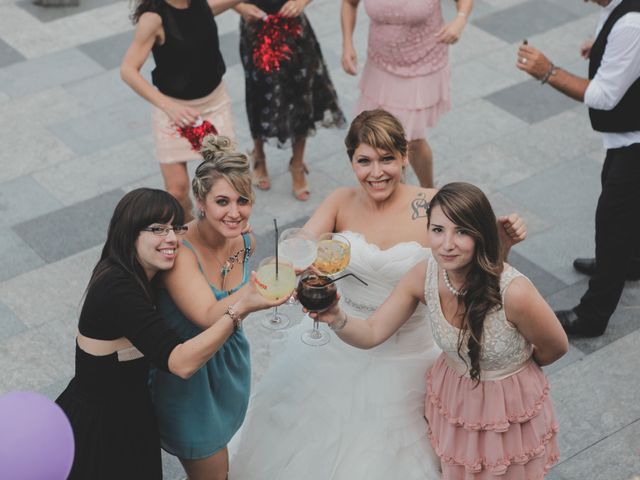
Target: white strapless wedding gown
[[336, 412]]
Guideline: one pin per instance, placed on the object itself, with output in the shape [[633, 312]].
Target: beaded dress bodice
[[503, 346], [402, 36]]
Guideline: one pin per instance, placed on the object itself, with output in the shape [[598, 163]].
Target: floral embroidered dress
[[505, 428]]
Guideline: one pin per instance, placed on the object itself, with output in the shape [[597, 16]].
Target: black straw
[[349, 275], [275, 224]]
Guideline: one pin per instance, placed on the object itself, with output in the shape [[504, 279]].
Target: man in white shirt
[[612, 93]]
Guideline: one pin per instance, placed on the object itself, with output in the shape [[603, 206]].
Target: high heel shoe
[[302, 193], [262, 182]]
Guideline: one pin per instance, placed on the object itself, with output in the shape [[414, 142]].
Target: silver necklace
[[452, 289]]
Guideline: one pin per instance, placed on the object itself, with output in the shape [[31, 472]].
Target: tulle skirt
[[338, 413], [502, 429], [418, 102]]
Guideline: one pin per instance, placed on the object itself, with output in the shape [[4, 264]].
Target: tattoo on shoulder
[[419, 206]]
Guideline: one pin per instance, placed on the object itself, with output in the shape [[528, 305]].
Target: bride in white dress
[[336, 412]]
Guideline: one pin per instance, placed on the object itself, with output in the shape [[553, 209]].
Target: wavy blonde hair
[[221, 160]]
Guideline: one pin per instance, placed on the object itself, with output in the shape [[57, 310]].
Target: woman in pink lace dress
[[487, 402], [407, 69]]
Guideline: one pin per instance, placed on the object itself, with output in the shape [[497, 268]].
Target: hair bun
[[214, 146]]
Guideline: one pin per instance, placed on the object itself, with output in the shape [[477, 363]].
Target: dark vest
[[189, 64], [625, 117]]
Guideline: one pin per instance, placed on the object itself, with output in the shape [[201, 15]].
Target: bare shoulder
[[519, 297], [150, 21]]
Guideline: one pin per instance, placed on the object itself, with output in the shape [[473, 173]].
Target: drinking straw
[[275, 224]]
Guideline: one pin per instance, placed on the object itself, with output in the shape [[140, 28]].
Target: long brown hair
[[378, 129], [468, 207], [136, 210]]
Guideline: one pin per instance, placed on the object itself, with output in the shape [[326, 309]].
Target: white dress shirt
[[620, 67]]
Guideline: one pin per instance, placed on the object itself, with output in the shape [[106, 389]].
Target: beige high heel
[[302, 193], [263, 182]]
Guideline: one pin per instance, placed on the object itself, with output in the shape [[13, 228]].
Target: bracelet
[[235, 317], [462, 14], [551, 71], [341, 325]]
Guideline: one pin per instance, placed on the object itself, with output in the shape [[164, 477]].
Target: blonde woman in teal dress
[[197, 417]]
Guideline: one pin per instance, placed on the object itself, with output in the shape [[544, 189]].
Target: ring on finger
[[523, 60]]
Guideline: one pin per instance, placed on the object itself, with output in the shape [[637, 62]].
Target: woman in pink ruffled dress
[[407, 69], [487, 402]]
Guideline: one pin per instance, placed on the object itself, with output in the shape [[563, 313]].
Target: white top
[[504, 349], [620, 67]]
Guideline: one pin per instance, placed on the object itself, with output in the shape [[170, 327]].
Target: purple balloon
[[36, 440]]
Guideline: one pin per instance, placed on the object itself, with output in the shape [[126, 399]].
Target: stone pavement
[[74, 138]]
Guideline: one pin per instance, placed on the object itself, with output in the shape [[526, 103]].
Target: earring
[[200, 214]]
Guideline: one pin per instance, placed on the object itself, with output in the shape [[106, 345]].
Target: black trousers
[[617, 235]]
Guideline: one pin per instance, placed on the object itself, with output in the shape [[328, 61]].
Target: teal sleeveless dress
[[197, 417]]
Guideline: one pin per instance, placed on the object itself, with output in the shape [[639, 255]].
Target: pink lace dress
[[407, 71], [503, 429]]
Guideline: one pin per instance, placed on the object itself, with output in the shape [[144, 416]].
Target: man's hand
[[533, 61]]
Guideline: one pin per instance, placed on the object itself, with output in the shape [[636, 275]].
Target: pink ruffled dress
[[503, 429], [407, 71]]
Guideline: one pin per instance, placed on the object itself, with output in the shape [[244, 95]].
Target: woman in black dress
[[187, 81], [121, 334], [288, 103]]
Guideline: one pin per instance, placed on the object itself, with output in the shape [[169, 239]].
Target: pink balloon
[[36, 440]]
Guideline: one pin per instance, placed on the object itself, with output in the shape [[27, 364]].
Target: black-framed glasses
[[163, 231]]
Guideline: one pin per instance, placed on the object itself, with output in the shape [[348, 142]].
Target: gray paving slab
[[615, 457], [530, 101], [8, 54], [474, 79], [70, 230], [524, 19], [26, 150], [51, 13], [30, 362], [58, 288], [102, 129], [229, 47], [108, 51], [108, 169], [45, 72], [17, 256], [555, 141], [41, 108], [10, 325], [546, 283], [597, 396], [99, 92], [470, 126], [565, 194], [22, 199]]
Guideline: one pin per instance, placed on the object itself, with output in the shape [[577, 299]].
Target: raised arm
[[186, 358], [191, 293], [348, 15], [325, 217], [532, 316], [386, 320], [148, 32], [219, 6]]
